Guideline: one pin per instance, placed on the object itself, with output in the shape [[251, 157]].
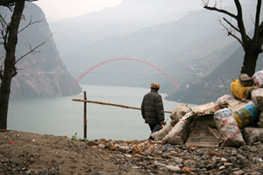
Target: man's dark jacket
[[152, 108]]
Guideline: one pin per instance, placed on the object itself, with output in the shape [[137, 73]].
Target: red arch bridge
[[175, 84]]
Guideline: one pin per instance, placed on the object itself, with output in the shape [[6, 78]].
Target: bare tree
[[8, 70], [251, 45]]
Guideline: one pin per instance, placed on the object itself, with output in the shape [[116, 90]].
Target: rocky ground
[[28, 153]]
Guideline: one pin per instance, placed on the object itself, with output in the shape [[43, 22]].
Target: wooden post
[[85, 115]]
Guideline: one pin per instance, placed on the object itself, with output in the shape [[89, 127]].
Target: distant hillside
[[170, 46], [193, 45], [216, 83], [75, 34], [41, 73]]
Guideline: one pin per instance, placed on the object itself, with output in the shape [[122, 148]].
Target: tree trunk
[[249, 64], [252, 51], [9, 63]]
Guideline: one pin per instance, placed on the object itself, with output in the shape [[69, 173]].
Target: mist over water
[[61, 116]]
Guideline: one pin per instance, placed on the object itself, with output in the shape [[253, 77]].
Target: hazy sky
[[59, 9]]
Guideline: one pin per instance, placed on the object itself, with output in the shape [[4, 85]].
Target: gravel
[[29, 153]]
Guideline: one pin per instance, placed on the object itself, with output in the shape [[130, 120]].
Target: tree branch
[[260, 34], [29, 24], [3, 31], [1, 75], [33, 49], [230, 33], [231, 25], [1, 71], [7, 2], [220, 10], [11, 2], [234, 27], [256, 30], [240, 22]]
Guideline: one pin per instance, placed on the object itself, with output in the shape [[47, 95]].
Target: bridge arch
[[175, 84]]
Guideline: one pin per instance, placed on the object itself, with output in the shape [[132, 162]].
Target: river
[[62, 117]]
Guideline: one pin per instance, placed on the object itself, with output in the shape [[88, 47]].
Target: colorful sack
[[247, 115], [238, 90], [258, 78], [228, 128]]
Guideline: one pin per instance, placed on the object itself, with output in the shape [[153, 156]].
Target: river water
[[62, 117]]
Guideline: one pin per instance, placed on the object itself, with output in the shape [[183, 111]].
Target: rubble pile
[[28, 153], [225, 119], [154, 157]]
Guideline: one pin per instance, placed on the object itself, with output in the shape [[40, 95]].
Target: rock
[[101, 146], [92, 143], [186, 170], [253, 149], [223, 159], [221, 168], [111, 146], [240, 156], [255, 173], [173, 168], [239, 172], [178, 160], [136, 150]]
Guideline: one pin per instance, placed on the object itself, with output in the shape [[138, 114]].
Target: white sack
[[179, 111], [180, 131], [228, 128]]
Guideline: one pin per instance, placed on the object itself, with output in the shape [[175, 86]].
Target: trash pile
[[231, 121]]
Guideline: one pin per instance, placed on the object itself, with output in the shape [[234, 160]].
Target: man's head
[[155, 86]]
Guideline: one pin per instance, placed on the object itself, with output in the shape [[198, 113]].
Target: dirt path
[[29, 153]]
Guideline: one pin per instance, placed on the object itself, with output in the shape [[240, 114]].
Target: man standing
[[152, 108]]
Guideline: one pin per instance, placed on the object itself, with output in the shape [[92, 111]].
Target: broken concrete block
[[252, 135]]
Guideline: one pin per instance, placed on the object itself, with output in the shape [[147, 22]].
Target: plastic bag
[[224, 99], [228, 128], [258, 78]]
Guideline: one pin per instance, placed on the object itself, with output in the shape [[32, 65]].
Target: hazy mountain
[[75, 34], [41, 73], [187, 49], [170, 46], [216, 84]]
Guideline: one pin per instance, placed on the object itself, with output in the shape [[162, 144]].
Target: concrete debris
[[154, 157]]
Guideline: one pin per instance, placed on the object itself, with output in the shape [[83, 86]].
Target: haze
[[68, 9]]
